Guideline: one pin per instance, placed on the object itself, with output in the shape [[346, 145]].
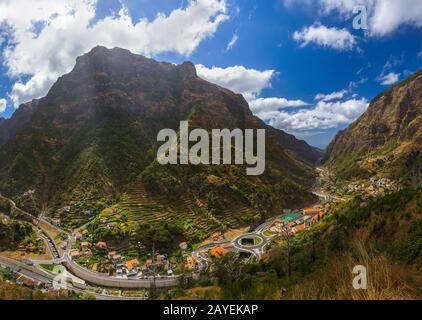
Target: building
[[191, 263], [78, 236], [298, 228], [85, 246], [290, 217], [115, 257], [101, 245], [132, 266], [218, 252], [311, 211], [75, 254]]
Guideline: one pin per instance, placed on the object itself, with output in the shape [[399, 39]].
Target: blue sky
[[300, 64]]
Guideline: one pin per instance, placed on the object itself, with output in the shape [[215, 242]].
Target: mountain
[[91, 143], [383, 236], [9, 127], [386, 140]]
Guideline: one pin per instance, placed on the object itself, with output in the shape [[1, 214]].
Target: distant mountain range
[[92, 140], [386, 140]]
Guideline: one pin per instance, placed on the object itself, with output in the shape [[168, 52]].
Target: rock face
[[94, 136], [387, 139], [8, 127]]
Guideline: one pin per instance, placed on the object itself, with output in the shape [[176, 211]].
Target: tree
[[228, 269], [88, 296]]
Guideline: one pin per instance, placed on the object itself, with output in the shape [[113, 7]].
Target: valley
[[83, 191]]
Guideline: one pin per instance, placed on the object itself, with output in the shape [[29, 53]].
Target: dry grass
[[386, 279], [202, 293]]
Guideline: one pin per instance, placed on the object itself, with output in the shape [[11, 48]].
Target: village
[[115, 264], [251, 244]]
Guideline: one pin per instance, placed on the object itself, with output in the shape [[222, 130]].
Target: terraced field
[[139, 206]]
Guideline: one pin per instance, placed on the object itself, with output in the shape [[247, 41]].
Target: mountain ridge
[[94, 135], [386, 140]]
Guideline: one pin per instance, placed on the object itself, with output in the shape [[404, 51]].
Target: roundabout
[[250, 241]]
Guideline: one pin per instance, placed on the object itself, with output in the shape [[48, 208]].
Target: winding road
[[104, 280]]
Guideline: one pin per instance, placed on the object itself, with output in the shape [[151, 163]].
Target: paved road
[[47, 278], [107, 281], [88, 275], [258, 250], [52, 247]]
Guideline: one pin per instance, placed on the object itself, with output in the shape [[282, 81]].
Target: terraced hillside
[[140, 207], [82, 151]]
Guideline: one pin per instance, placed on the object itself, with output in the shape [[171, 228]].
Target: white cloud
[[249, 82], [339, 39], [385, 16], [324, 115], [3, 105], [232, 42], [68, 29], [389, 79], [332, 96], [272, 104]]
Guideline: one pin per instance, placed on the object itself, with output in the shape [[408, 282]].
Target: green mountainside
[[91, 144], [384, 236], [386, 140]]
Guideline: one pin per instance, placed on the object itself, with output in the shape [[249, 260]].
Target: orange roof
[[75, 253], [315, 217], [85, 244], [112, 253], [191, 262], [277, 221], [78, 234], [218, 251], [299, 227], [312, 210], [132, 263], [102, 244]]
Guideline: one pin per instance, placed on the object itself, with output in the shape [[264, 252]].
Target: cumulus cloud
[[324, 115], [389, 79], [232, 42], [3, 105], [331, 96], [385, 16], [47, 36], [339, 39], [272, 104], [248, 82]]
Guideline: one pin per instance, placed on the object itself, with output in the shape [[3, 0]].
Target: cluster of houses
[[120, 266], [293, 221], [375, 189], [192, 262], [85, 247], [133, 267]]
